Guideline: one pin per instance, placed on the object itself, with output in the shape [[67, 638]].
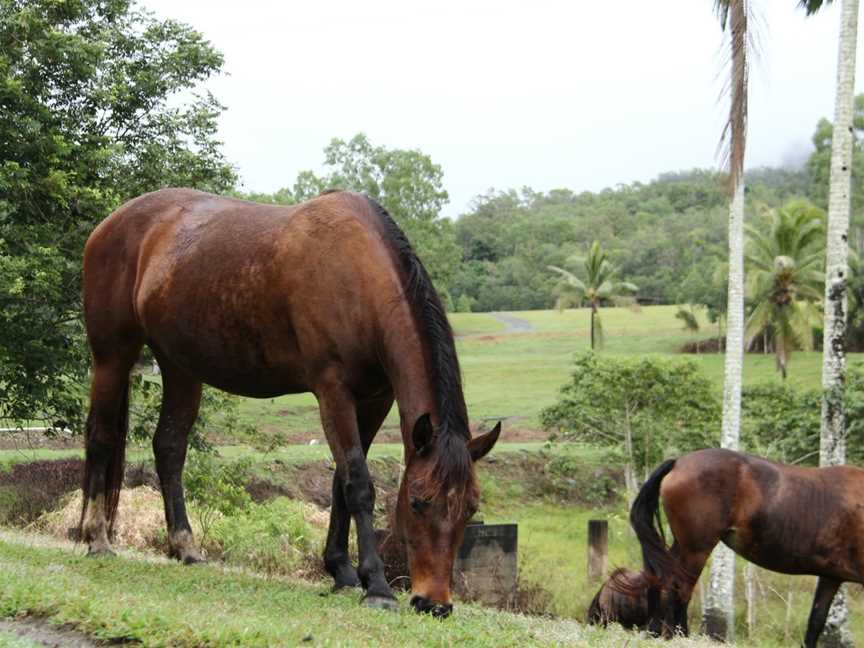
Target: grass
[[514, 376], [520, 374], [553, 553], [162, 604]]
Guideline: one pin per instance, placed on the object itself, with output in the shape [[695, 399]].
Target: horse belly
[[780, 541], [247, 364]]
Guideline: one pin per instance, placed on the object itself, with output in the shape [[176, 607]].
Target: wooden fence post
[[598, 548]]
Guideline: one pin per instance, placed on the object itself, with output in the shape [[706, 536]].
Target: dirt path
[[38, 632], [514, 324]]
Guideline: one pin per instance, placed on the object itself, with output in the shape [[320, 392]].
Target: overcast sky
[[576, 94]]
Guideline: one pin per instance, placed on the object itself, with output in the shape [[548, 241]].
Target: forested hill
[[667, 236]]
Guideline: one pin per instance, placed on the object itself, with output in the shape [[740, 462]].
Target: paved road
[[514, 324]]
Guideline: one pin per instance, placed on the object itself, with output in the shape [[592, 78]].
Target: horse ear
[[480, 446], [422, 434]]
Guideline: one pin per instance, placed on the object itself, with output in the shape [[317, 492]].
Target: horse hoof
[[380, 603]]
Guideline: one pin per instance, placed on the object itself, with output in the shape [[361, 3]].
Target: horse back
[[786, 518], [255, 299]]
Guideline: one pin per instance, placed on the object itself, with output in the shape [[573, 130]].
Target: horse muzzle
[[422, 605]]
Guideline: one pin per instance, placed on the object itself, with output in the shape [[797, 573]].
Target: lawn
[[122, 600], [514, 376]]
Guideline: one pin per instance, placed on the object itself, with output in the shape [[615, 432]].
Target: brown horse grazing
[[621, 599], [262, 300], [788, 519]]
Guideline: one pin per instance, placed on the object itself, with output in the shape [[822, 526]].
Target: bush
[[570, 478], [280, 537], [28, 490], [783, 423], [215, 489], [645, 408]]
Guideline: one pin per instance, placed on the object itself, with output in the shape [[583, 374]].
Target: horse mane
[[453, 461]]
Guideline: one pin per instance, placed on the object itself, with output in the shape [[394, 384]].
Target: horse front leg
[[339, 419], [336, 558], [370, 415]]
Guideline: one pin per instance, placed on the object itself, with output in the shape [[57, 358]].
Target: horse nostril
[[442, 611]]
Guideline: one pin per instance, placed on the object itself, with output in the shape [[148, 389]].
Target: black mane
[[431, 319]]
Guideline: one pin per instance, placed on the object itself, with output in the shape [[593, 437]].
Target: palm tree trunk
[[719, 619], [832, 446], [593, 314]]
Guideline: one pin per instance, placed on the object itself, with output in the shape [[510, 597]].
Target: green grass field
[[514, 376]]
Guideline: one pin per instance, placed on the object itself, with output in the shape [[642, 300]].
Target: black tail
[[659, 564]]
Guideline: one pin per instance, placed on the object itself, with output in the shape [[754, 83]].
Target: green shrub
[[216, 489], [645, 408], [571, 478], [783, 423], [274, 538]]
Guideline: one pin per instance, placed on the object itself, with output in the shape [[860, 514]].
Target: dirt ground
[[43, 633]]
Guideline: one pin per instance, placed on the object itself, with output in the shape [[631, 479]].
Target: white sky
[[577, 93]]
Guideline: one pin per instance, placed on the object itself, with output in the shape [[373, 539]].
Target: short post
[[598, 548]]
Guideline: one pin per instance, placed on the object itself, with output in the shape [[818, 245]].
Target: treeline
[[666, 236]]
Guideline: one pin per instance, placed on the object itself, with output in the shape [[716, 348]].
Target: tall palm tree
[[600, 284], [785, 279], [832, 446], [734, 16]]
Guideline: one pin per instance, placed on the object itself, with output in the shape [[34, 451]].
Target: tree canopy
[[90, 115]]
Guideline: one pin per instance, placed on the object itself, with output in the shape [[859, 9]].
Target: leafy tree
[[656, 233], [645, 407], [819, 169], [600, 285], [786, 279], [90, 115]]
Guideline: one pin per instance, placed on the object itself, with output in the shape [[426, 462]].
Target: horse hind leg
[[826, 588], [680, 594], [181, 398], [105, 448]]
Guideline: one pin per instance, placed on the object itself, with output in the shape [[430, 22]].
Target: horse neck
[[410, 375]]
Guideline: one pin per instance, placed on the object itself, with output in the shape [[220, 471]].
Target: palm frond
[[734, 16], [572, 280], [812, 6], [688, 319], [759, 320]]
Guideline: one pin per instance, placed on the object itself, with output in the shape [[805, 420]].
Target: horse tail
[[595, 615], [658, 562]]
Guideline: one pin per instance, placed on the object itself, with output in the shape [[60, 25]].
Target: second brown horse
[[261, 300], [789, 519]]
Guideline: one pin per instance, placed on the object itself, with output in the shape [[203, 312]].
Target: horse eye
[[418, 505]]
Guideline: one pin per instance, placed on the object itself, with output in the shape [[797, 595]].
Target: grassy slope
[[161, 604]]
